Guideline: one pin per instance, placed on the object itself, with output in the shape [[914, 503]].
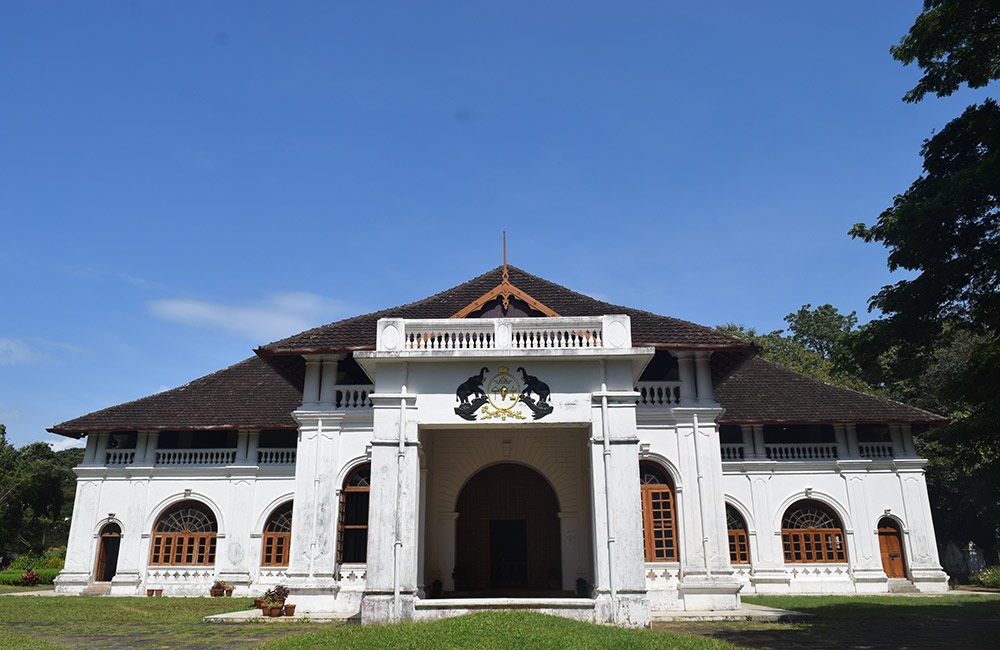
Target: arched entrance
[[890, 543], [107, 553], [507, 533]]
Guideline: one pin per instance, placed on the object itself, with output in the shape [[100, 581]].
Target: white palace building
[[505, 443]]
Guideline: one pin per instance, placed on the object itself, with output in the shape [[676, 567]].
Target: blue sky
[[181, 182]]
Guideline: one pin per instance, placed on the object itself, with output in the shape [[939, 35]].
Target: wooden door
[[107, 553], [890, 543]]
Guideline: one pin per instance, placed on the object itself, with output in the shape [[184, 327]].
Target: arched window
[[184, 534], [739, 550], [811, 532], [352, 533], [277, 536], [659, 513]]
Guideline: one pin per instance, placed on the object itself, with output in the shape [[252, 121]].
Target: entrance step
[[97, 589], [902, 586]]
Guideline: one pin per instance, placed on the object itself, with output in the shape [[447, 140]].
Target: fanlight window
[[739, 550], [278, 536], [810, 532], [352, 533], [659, 513], [184, 534]]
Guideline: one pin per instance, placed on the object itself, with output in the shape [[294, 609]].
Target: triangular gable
[[504, 291]]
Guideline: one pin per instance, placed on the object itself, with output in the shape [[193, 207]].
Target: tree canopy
[[954, 42], [37, 486], [937, 343]]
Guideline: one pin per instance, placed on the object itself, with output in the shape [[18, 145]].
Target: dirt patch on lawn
[[134, 636]]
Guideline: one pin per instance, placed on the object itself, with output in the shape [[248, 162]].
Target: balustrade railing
[[195, 456], [353, 397], [564, 333], [121, 457], [276, 456], [875, 449], [658, 393], [732, 451], [801, 451]]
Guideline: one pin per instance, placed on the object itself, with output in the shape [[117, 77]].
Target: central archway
[[507, 533]]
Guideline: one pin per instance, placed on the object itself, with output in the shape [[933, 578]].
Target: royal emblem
[[501, 396]]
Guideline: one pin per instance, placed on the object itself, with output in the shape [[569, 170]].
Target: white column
[[311, 386], [253, 444], [704, 377], [841, 435], [81, 548], [90, 451], [759, 448], [314, 527], [906, 432], [446, 548], [897, 440], [921, 545], [421, 545], [746, 431], [685, 368], [852, 441], [707, 580], [100, 453], [392, 519], [328, 383]]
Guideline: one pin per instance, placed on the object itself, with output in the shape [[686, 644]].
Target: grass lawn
[[968, 621], [838, 622], [112, 623]]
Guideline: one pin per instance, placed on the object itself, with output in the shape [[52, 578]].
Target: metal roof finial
[[506, 276]]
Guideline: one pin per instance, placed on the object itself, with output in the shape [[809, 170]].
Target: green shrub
[[54, 557], [13, 576], [24, 562], [988, 577]]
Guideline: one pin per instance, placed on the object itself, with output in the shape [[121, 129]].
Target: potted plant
[[229, 591], [274, 600], [218, 589], [289, 610]]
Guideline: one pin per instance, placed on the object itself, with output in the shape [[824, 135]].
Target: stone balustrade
[[276, 456], [488, 334], [875, 449], [173, 457], [802, 451], [120, 457], [658, 393], [353, 397], [732, 451]]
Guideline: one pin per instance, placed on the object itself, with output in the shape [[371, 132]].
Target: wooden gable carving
[[504, 291]]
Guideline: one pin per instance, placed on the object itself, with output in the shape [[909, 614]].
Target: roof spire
[[506, 276]]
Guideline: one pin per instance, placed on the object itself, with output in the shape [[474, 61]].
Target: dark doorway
[[508, 553], [107, 553], [507, 533]]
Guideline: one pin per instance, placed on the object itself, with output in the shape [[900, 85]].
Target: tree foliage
[[36, 495], [937, 344], [816, 337], [954, 42]]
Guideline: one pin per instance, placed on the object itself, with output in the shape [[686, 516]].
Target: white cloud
[[66, 443], [281, 315], [19, 352], [15, 351]]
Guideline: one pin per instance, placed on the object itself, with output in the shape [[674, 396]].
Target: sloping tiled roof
[[359, 332], [759, 391], [248, 395]]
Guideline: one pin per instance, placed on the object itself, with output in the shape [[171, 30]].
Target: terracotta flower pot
[[258, 603], [215, 593], [229, 591], [159, 592], [274, 610], [150, 592], [289, 610]]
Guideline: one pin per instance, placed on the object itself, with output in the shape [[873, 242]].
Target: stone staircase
[[902, 586], [97, 589]]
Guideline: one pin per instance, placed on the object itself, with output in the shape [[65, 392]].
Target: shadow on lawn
[[887, 622]]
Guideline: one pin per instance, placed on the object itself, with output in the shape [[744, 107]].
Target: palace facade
[[507, 442]]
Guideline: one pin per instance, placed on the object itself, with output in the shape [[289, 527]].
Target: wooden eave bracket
[[506, 290]]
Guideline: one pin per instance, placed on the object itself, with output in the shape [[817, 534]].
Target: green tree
[[37, 486], [937, 343], [954, 42], [816, 338]]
